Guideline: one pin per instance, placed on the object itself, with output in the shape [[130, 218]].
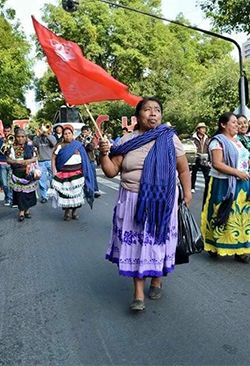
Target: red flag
[[81, 80]]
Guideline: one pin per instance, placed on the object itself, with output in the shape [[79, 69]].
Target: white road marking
[[108, 183]]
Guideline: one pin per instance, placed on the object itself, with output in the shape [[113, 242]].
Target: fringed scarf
[[158, 181], [231, 155], [65, 154]]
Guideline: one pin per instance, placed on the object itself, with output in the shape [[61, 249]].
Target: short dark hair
[[85, 128], [55, 127], [7, 127]]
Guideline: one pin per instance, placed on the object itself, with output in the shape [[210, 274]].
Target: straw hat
[[200, 125]]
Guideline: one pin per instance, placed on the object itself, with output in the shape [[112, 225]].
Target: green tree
[[189, 64], [151, 57], [48, 92], [121, 44], [15, 68], [229, 15]]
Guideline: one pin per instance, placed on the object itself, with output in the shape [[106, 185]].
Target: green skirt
[[234, 237]]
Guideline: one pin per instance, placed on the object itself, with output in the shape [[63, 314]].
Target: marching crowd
[[152, 165], [37, 167]]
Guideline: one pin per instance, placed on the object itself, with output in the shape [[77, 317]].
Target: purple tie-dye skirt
[[137, 253]]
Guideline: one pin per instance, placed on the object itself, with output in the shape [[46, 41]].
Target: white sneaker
[[6, 204], [193, 190]]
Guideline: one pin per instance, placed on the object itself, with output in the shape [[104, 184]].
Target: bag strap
[[181, 194]]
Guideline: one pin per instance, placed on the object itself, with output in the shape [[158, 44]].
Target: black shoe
[[243, 258], [43, 200], [97, 194], [213, 254]]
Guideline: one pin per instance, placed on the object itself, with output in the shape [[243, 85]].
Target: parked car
[[190, 150]]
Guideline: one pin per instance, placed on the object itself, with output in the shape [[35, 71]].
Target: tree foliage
[[229, 15], [48, 92], [15, 69], [193, 74]]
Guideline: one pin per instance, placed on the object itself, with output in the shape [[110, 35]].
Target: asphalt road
[[62, 304]]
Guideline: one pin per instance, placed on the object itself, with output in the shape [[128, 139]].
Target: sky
[[170, 9]]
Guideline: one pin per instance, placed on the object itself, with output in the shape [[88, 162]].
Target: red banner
[[80, 80]]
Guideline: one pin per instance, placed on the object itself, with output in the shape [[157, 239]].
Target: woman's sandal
[[27, 215], [75, 216], [67, 218], [67, 215], [21, 218], [155, 293], [137, 305]]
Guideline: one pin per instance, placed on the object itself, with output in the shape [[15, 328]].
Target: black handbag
[[189, 234]]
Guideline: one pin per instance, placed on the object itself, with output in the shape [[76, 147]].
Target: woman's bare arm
[[185, 178], [53, 163], [111, 167]]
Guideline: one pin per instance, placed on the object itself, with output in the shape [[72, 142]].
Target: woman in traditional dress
[[21, 157], [72, 175], [225, 219], [151, 161]]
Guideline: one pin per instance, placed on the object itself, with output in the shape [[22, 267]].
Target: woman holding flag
[[145, 227], [73, 175]]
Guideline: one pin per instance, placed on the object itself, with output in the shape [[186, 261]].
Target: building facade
[[246, 49]]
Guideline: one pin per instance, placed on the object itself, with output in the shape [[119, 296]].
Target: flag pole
[[93, 120]]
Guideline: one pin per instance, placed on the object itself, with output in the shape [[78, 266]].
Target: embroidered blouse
[[242, 160]]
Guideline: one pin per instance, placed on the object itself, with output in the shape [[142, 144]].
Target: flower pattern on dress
[[133, 237], [132, 249], [237, 229]]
